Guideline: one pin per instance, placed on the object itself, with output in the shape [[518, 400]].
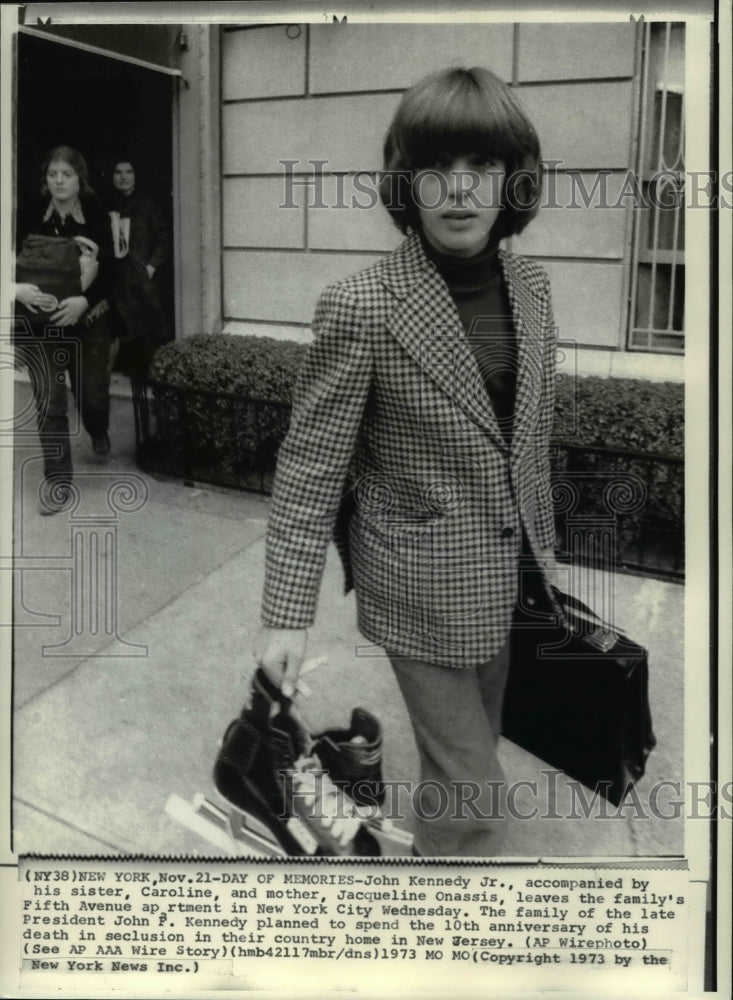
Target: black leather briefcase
[[577, 696]]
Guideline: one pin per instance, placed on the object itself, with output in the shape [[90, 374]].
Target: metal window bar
[[659, 160], [676, 228], [656, 292], [641, 159]]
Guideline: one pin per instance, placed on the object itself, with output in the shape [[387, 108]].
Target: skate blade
[[254, 828], [234, 836], [375, 822]]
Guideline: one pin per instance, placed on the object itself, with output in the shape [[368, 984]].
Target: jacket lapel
[[427, 325], [527, 316]]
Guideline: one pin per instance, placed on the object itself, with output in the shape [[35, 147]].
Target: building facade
[[304, 109], [276, 140]]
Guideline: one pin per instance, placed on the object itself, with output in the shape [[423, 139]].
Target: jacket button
[[507, 532]]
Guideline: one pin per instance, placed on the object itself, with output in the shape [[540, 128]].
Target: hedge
[[624, 416], [620, 413], [259, 367], [204, 422]]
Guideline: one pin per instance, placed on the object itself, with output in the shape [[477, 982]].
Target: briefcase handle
[[572, 603]]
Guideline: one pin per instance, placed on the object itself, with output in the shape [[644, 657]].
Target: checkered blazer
[[394, 447]]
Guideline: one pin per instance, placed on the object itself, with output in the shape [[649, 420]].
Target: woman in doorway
[[142, 245], [419, 435], [68, 332]]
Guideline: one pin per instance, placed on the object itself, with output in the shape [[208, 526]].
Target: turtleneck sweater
[[477, 287]]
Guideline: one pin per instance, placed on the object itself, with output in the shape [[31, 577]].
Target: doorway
[[105, 108]]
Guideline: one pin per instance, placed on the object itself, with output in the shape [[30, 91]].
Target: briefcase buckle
[[602, 639]]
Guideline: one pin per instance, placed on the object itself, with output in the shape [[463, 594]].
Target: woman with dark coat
[[142, 245], [68, 333], [420, 437]]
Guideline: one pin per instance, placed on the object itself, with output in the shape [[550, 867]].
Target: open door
[[74, 89]]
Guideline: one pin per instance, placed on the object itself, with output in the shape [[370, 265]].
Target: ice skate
[[279, 800], [266, 769], [288, 793], [353, 759]]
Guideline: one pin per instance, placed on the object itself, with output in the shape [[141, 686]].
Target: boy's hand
[[280, 653]]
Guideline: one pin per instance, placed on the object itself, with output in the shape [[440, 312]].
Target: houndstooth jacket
[[394, 446]]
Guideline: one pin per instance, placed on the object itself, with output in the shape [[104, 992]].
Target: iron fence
[[620, 509], [208, 436]]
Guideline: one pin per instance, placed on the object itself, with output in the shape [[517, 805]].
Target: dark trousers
[[456, 719], [82, 352]]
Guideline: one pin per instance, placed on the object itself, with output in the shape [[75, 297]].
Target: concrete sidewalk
[[108, 724]]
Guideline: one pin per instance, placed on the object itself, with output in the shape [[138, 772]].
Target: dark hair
[[123, 157], [458, 112], [75, 160]]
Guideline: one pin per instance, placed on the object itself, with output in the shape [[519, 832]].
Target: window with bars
[[657, 299]]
